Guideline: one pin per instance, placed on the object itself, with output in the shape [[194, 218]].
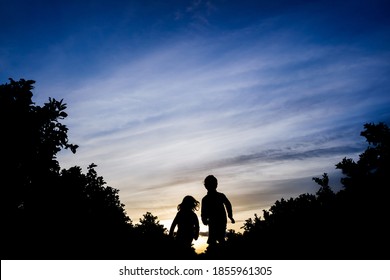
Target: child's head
[[188, 203], [210, 183]]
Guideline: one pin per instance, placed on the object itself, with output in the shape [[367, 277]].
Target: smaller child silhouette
[[186, 221], [213, 213]]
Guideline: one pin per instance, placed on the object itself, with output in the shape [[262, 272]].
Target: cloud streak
[[166, 119]]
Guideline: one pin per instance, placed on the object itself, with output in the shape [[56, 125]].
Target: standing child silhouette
[[213, 212], [187, 222]]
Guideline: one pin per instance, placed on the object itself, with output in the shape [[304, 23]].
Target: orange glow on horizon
[[200, 245]]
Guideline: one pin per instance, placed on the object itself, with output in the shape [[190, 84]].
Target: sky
[[264, 95]]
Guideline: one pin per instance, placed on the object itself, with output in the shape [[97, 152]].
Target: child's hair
[[189, 203], [210, 182]]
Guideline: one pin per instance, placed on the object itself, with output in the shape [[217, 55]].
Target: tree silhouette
[[32, 136], [364, 200], [349, 224], [96, 214], [45, 212]]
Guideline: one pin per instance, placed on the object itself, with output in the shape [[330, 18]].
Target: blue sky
[[264, 95]]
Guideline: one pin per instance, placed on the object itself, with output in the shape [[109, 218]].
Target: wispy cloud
[[157, 124]]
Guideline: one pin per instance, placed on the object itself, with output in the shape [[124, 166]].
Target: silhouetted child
[[187, 222], [213, 212]]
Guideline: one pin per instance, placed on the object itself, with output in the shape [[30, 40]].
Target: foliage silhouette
[[49, 213], [349, 224]]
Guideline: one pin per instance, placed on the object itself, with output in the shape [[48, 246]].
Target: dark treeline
[[53, 213]]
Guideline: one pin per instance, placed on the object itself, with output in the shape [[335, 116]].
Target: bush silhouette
[[349, 224], [48, 213]]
